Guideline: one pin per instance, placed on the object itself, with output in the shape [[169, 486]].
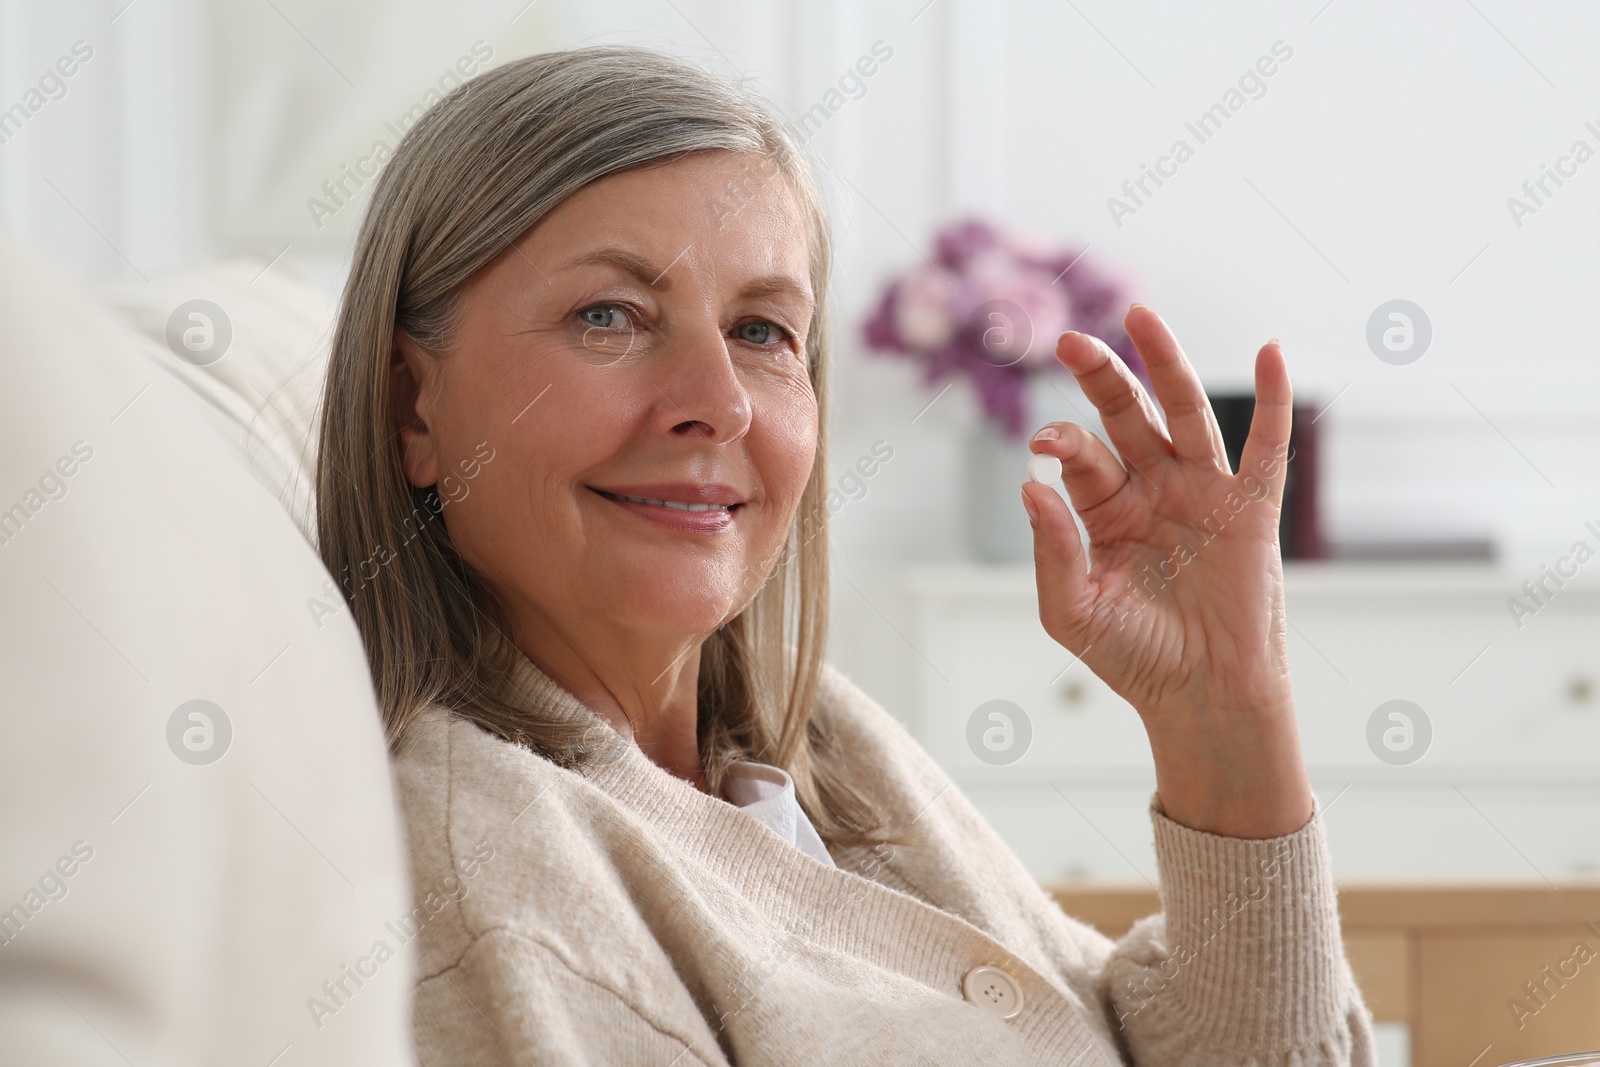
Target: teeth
[[676, 505]]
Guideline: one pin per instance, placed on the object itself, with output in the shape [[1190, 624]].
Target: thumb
[[1061, 568]]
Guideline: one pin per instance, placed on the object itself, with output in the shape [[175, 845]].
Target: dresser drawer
[[1492, 696], [998, 651], [1465, 831], [1433, 832]]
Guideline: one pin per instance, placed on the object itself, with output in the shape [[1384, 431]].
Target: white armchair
[[182, 882]]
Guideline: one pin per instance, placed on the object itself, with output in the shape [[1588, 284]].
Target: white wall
[[1377, 165], [201, 128]]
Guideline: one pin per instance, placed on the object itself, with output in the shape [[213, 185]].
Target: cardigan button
[[994, 989]]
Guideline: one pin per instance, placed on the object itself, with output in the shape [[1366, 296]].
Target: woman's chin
[[695, 602], [696, 619]]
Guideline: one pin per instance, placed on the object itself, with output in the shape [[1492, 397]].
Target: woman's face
[[645, 340]]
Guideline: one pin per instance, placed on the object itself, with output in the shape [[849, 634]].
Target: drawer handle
[[1581, 690], [1074, 694]]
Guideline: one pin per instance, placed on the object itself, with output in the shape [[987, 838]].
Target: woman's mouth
[[681, 505], [695, 516]]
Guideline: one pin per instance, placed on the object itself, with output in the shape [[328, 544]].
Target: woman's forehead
[[656, 222], [757, 272]]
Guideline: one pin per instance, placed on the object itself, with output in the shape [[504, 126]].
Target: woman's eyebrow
[[626, 262], [655, 277], [778, 285]]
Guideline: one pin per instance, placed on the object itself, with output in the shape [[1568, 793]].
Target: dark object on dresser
[[1300, 531]]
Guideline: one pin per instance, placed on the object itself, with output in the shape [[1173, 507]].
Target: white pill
[[1046, 470]]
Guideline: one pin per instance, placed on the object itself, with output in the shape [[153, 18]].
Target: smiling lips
[[679, 506]]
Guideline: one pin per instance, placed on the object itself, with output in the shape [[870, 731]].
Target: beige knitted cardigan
[[620, 916]]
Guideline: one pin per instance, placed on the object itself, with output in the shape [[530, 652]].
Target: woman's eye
[[603, 316], [760, 332]]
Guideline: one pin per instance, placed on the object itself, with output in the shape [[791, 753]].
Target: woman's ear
[[410, 373]]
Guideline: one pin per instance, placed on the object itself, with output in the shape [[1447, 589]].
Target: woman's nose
[[700, 390]]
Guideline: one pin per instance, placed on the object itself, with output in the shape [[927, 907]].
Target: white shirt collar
[[766, 794]]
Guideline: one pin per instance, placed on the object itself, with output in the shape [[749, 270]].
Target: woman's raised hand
[[1178, 602]]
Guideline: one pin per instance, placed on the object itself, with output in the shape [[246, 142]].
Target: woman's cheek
[[788, 405], [796, 446]]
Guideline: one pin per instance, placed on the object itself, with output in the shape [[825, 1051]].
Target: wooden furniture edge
[[1112, 909]]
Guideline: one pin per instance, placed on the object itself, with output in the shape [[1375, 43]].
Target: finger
[[1266, 449], [1191, 424], [1089, 471], [1129, 416], [1060, 566]]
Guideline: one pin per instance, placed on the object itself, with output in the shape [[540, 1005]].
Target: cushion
[[202, 852], [262, 372]]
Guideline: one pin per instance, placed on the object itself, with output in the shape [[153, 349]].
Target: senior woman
[[572, 479]]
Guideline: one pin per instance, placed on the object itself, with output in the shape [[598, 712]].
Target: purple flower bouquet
[[991, 305]]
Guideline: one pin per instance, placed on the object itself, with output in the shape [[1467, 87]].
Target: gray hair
[[472, 176]]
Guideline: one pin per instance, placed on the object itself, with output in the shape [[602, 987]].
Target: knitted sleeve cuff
[[1251, 954]]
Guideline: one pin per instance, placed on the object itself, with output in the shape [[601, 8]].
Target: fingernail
[[1049, 433], [1033, 515], [1136, 304], [1275, 341]]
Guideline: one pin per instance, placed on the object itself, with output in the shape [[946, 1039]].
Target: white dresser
[[1507, 788]]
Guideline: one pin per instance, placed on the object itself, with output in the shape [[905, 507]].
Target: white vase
[[995, 466]]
